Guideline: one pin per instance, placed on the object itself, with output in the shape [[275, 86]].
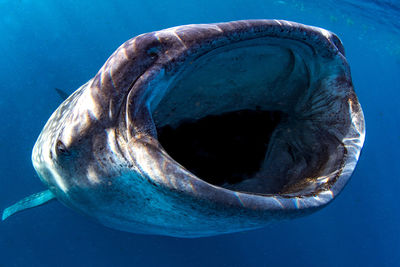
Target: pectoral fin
[[62, 94], [31, 201]]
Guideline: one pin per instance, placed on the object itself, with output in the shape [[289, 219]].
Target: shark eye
[[61, 149], [152, 52]]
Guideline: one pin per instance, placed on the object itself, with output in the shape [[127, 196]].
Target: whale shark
[[205, 129]]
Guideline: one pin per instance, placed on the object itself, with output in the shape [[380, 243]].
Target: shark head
[[163, 140]]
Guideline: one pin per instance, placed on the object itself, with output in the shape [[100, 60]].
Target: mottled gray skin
[[99, 154]]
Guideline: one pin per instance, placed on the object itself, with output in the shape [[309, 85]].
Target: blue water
[[47, 44]]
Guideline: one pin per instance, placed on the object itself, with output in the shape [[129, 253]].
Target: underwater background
[[62, 44]]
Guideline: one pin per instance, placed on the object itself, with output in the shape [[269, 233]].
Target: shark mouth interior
[[256, 117]]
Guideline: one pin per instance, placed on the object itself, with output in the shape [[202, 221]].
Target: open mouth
[[263, 116], [224, 149]]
